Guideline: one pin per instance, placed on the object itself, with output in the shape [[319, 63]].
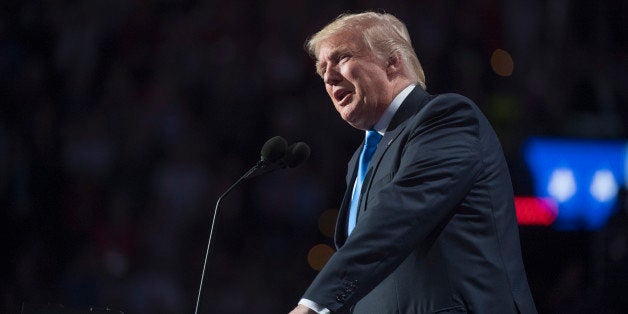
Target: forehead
[[341, 42]]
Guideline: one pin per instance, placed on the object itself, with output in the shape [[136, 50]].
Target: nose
[[332, 76]]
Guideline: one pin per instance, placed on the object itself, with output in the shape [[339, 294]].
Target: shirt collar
[[384, 121]]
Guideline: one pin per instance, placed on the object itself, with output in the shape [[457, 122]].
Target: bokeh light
[[583, 176], [535, 211], [319, 255], [327, 222], [502, 63]]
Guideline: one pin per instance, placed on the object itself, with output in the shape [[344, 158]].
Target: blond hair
[[383, 33]]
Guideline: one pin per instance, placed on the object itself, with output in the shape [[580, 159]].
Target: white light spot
[[603, 187], [562, 184]]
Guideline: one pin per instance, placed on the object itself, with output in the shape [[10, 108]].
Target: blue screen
[[583, 176]]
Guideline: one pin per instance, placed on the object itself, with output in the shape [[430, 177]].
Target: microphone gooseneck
[[275, 154]]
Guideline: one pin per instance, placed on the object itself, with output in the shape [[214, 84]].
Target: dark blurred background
[[122, 121]]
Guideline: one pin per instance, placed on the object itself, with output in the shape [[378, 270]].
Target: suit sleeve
[[438, 162]]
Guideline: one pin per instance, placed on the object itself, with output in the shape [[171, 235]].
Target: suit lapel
[[412, 104], [340, 234]]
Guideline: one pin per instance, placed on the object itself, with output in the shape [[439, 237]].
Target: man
[[428, 225]]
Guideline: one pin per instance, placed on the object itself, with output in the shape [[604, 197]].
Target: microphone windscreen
[[274, 149], [297, 154]]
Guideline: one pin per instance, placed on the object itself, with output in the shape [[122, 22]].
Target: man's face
[[355, 80]]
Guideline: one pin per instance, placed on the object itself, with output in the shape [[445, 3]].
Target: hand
[[302, 309]]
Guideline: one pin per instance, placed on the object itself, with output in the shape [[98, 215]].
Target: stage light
[[562, 184], [604, 187]]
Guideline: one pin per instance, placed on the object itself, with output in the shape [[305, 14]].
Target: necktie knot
[[372, 138]]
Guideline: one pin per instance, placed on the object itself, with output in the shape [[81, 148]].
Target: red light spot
[[535, 211]]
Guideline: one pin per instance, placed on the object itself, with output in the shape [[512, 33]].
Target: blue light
[[583, 176]]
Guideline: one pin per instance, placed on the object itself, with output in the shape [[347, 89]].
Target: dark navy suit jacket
[[436, 229]]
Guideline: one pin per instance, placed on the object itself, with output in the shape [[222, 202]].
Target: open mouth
[[342, 95]]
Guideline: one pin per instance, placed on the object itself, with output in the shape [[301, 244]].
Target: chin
[[355, 122], [358, 125]]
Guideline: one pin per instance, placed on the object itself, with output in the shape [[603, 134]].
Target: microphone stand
[[260, 168]]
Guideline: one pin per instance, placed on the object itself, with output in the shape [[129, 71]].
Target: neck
[[398, 85]]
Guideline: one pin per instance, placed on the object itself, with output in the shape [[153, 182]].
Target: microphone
[[274, 149], [272, 154], [275, 154], [297, 154]]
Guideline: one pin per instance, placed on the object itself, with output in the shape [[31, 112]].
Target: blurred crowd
[[122, 121]]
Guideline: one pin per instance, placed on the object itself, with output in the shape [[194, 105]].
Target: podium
[[60, 309]]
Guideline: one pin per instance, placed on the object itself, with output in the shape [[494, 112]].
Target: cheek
[[328, 89], [330, 95]]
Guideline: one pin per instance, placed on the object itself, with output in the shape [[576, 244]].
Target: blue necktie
[[370, 144]]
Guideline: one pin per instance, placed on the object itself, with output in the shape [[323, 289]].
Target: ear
[[394, 65]]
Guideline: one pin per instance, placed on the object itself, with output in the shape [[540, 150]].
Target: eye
[[321, 69], [344, 57]]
